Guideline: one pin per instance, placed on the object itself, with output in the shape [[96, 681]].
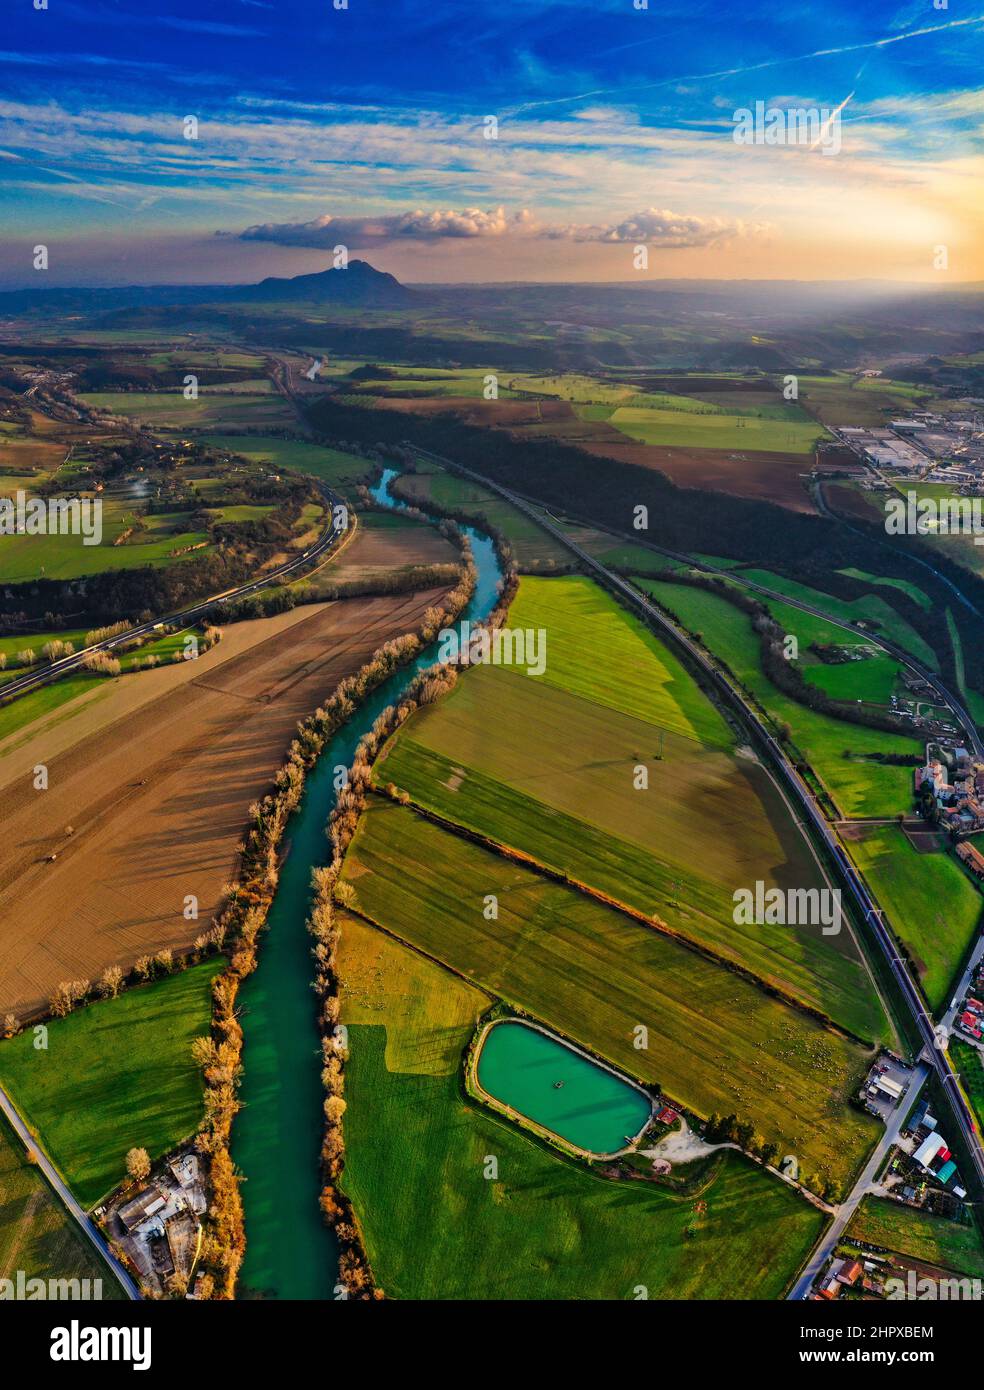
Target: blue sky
[[365, 127]]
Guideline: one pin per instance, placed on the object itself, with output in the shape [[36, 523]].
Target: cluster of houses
[[956, 784], [844, 1274], [970, 1019]]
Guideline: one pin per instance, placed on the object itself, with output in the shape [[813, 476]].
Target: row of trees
[[730, 1129], [427, 687], [69, 995], [784, 673]]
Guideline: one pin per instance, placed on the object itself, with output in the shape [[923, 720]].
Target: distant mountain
[[359, 284]]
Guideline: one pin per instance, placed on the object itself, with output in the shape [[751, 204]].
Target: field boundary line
[[522, 1013], [615, 904]]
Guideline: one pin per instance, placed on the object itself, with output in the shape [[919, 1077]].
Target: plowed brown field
[[158, 799], [768, 477]]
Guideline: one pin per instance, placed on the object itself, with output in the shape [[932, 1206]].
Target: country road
[[871, 914], [947, 697], [61, 1190], [842, 1219]]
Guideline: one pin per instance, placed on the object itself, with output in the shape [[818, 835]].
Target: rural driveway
[[849, 1206], [67, 1200]]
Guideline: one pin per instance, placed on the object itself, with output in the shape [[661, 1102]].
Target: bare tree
[[138, 1164], [110, 981]]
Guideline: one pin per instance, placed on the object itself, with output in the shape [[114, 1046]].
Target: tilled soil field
[[151, 809]]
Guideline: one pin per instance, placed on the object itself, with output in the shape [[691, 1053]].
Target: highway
[[89, 1229], [946, 696], [65, 665], [873, 916], [281, 377]]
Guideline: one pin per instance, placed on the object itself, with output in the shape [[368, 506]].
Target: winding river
[[276, 1139]]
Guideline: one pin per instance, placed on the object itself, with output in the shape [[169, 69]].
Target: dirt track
[[157, 800]]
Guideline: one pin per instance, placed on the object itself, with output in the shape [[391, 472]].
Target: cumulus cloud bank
[[655, 226]]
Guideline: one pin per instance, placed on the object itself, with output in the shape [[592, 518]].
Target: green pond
[[591, 1108]]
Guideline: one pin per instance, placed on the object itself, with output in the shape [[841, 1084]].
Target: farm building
[[144, 1206], [922, 1119], [928, 1150]]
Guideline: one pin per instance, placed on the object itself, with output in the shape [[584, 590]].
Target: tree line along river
[[276, 1140]]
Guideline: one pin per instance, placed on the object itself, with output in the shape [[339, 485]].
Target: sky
[[492, 140]]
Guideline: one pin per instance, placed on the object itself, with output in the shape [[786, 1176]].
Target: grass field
[[716, 1041], [712, 428], [834, 748], [970, 1065], [170, 410], [114, 1075], [870, 608], [596, 650], [26, 710], [545, 1228], [489, 757], [913, 590], [932, 904], [25, 557], [331, 465], [461, 383], [36, 1234], [530, 542], [34, 641], [872, 678], [908, 1231]]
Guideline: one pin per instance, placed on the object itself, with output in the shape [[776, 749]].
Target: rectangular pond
[[559, 1088]]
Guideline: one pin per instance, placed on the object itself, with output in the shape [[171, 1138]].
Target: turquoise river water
[[276, 1138]]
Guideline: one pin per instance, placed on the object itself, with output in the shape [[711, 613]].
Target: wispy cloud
[[785, 60]]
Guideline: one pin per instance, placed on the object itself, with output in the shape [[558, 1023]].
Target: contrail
[[751, 67]]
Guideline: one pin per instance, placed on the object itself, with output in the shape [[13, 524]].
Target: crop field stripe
[[716, 1041], [434, 1227], [823, 972], [718, 953]]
